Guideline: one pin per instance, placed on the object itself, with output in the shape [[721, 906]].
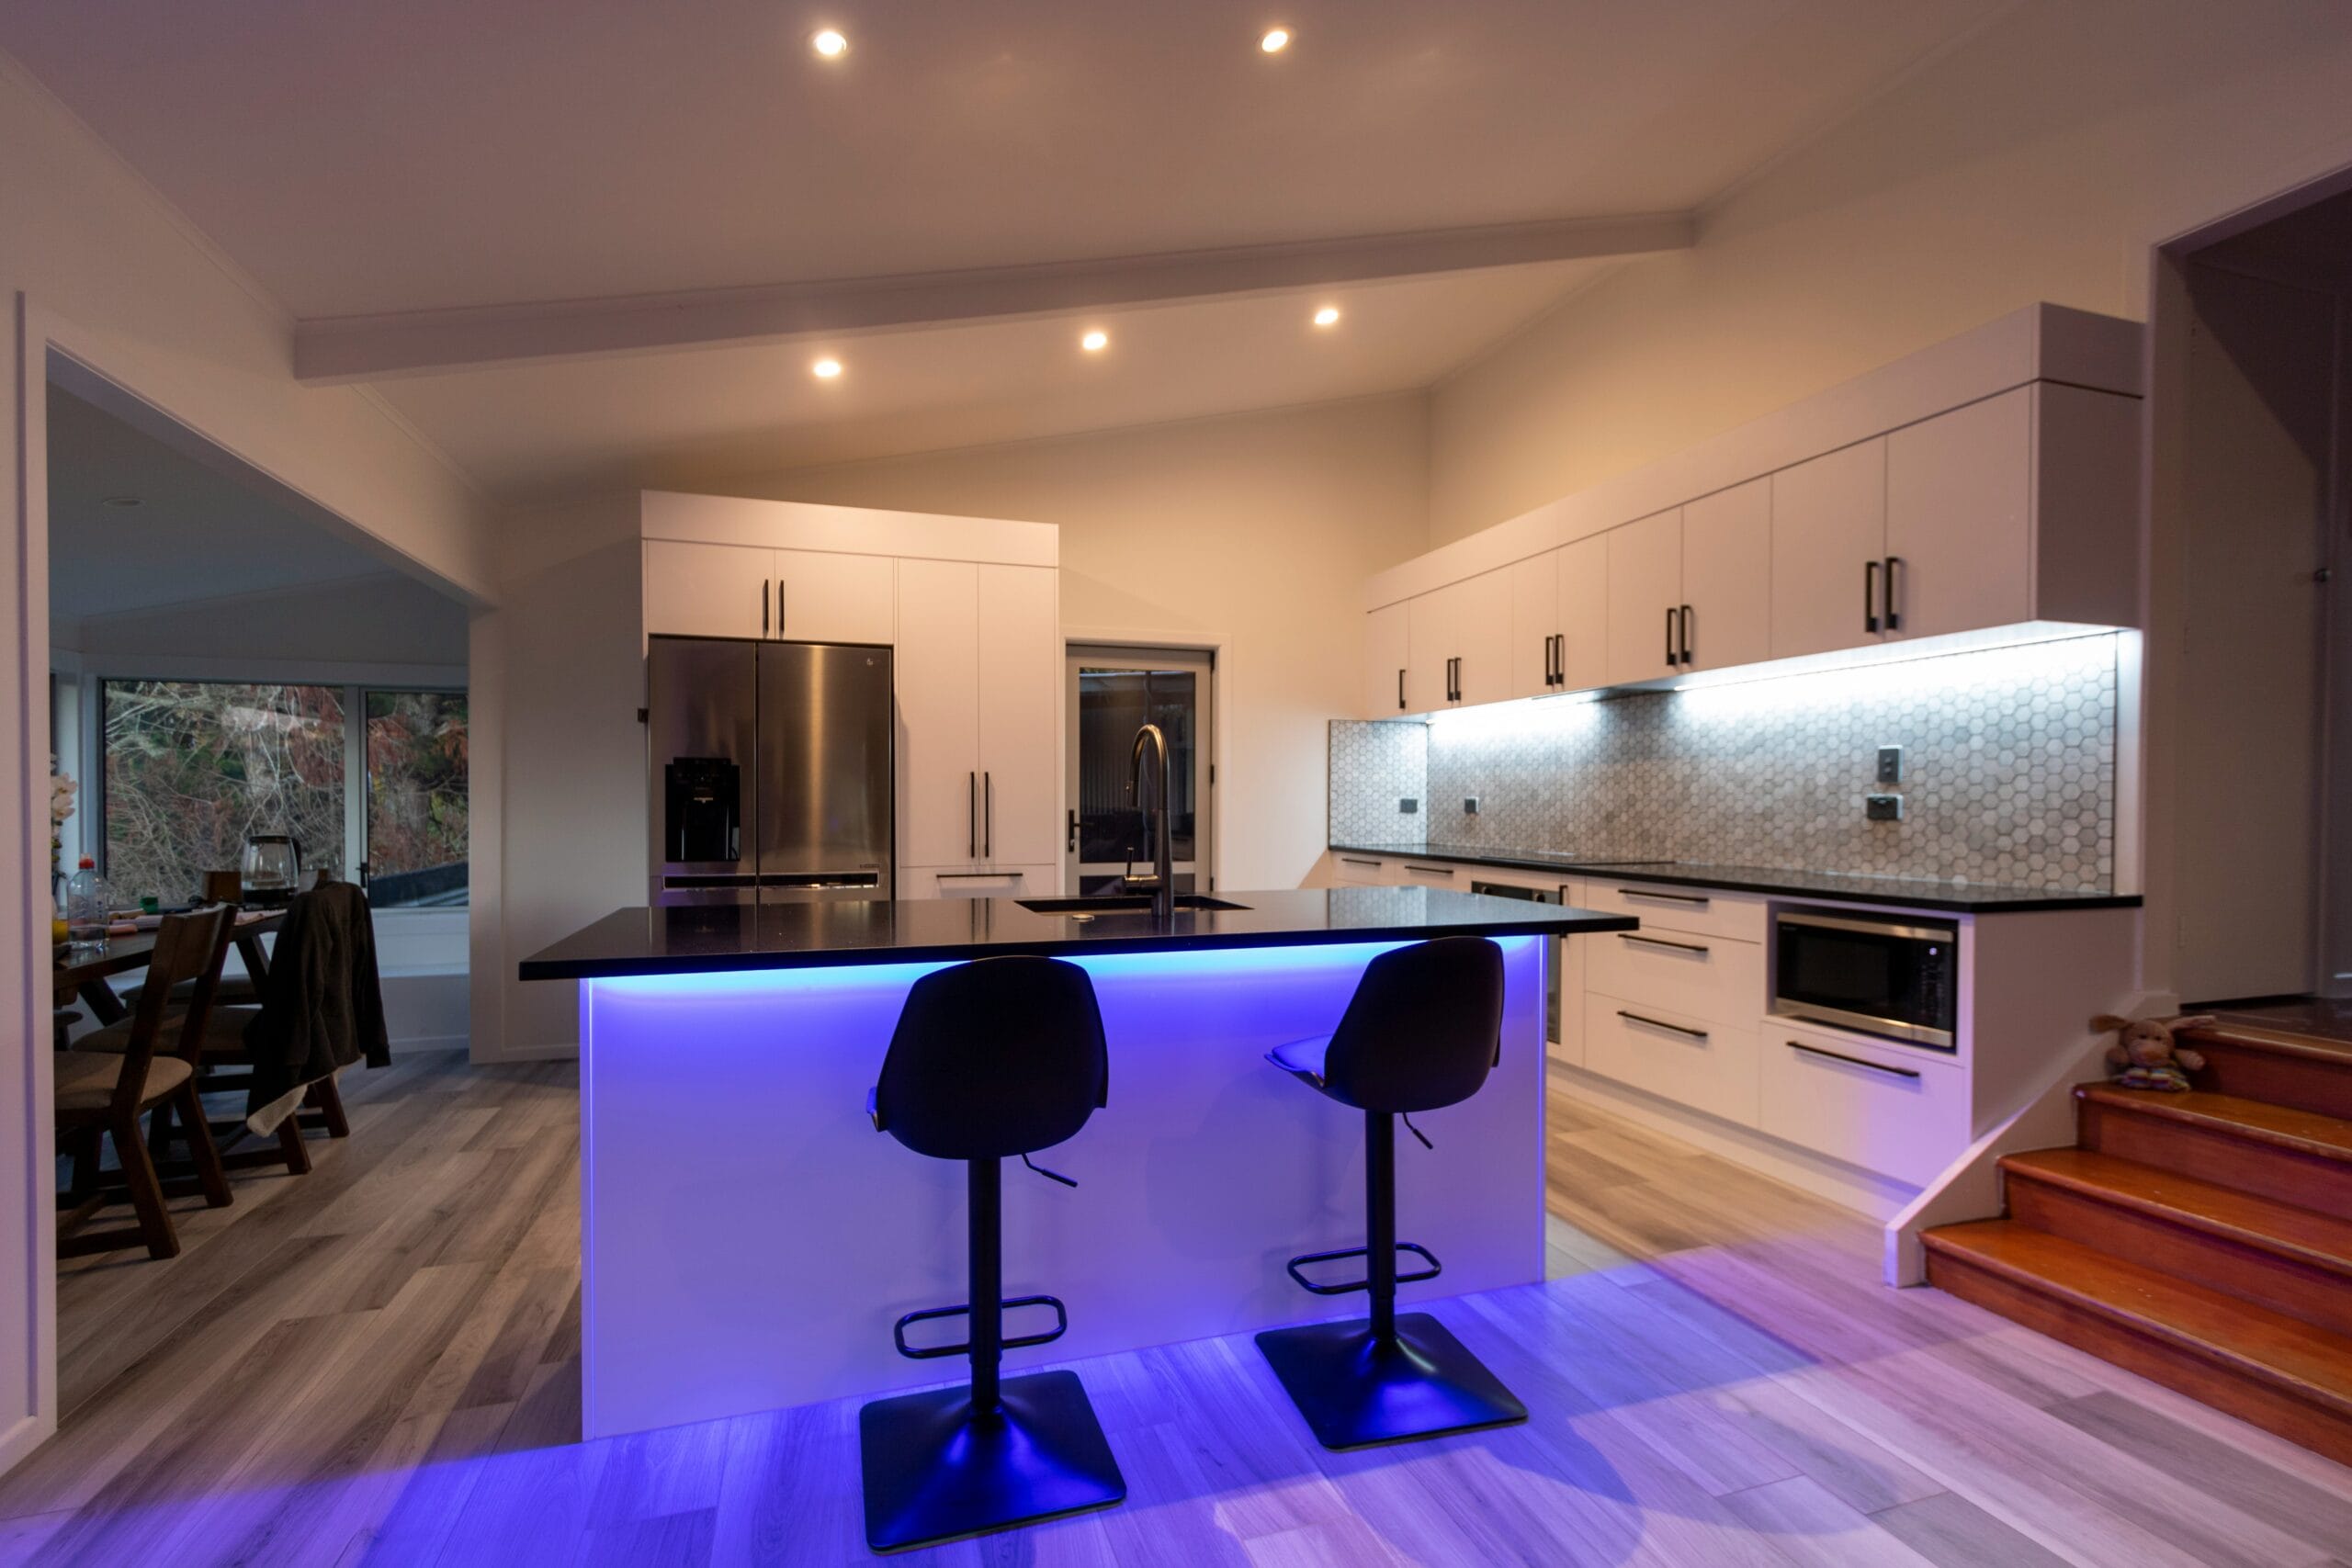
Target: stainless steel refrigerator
[[772, 770]]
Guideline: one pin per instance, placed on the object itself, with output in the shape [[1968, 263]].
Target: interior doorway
[[2251, 339], [1112, 692]]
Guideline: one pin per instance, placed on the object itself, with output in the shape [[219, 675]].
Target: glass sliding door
[[1112, 692]]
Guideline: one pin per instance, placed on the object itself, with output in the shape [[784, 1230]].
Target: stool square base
[[1356, 1395], [934, 1473]]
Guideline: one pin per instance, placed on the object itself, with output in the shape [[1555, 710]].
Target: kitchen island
[[748, 1239]]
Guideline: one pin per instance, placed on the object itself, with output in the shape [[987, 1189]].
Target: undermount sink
[[1121, 904]]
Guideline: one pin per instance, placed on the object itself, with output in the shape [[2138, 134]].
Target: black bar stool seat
[[992, 1060], [1421, 1032]]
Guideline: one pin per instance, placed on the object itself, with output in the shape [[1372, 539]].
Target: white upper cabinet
[[707, 590], [1583, 579], [1645, 599], [824, 597], [1959, 519], [704, 590], [1535, 625], [1990, 481], [1728, 578], [1385, 654], [1829, 551]]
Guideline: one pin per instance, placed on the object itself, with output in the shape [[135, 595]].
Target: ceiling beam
[[329, 350]]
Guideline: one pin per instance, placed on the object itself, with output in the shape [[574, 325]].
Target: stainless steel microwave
[[1896, 975]]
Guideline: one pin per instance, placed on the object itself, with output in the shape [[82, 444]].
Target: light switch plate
[[1882, 808], [1889, 764], [1469, 805]]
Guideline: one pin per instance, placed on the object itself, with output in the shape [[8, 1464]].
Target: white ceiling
[[678, 419], [197, 533], [461, 154]]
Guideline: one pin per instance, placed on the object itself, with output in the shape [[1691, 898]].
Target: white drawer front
[[966, 882], [1885, 1108], [1692, 1060], [1739, 916], [1708, 977], [1429, 874], [1361, 871]]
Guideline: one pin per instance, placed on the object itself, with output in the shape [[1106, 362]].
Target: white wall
[[1255, 531], [376, 621], [2036, 161], [558, 775], [91, 257]]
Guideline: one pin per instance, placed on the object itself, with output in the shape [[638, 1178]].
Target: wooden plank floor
[[378, 1363]]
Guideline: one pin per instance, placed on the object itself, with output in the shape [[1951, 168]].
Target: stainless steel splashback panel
[[825, 768]]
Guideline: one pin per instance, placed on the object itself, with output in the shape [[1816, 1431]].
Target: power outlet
[[1882, 808], [1469, 805], [1409, 806], [1889, 764]]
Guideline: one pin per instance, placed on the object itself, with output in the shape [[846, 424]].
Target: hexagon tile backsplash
[[2008, 770]]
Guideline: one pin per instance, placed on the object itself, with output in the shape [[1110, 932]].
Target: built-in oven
[[1896, 976], [1551, 968]]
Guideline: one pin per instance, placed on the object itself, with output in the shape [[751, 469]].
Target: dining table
[[85, 975]]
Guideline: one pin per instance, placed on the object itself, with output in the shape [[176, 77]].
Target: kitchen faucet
[[1161, 881]]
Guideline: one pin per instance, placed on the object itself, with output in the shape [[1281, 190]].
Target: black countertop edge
[[638, 942], [1908, 893]]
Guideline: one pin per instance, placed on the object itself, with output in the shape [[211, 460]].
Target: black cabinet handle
[[1400, 691], [1073, 830], [1685, 635], [1894, 618], [1664, 898], [1869, 596], [972, 815], [1672, 659], [1852, 1061], [1661, 941], [1661, 1024], [988, 815], [763, 606], [779, 606]]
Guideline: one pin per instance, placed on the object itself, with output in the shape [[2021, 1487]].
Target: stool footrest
[[1061, 1327], [1416, 1249]]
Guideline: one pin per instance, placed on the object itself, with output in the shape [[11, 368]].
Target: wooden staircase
[[2203, 1240]]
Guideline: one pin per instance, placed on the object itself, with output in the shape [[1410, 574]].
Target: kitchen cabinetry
[[712, 590], [1728, 578], [1535, 625], [1829, 550], [979, 681], [1645, 598], [1559, 619], [1958, 518], [1458, 645], [1385, 654]]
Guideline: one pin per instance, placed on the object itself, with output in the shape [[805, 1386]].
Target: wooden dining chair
[[103, 1094], [241, 990]]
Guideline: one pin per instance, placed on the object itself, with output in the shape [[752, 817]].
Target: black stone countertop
[[709, 939], [1905, 891]]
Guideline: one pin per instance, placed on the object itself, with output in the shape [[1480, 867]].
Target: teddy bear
[[2146, 1052]]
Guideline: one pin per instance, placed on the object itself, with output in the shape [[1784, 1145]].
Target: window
[[416, 798], [191, 769]]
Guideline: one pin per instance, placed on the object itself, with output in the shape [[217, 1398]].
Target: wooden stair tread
[[2282, 1126], [2308, 1236], [2251, 1341], [2280, 1042]]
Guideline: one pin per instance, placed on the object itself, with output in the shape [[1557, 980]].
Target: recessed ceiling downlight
[[830, 44], [825, 369], [1327, 316], [1275, 41], [1095, 342]]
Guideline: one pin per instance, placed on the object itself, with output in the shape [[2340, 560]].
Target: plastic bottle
[[87, 914]]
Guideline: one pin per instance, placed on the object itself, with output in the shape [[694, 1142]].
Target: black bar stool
[[1423, 1031], [999, 1058]]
